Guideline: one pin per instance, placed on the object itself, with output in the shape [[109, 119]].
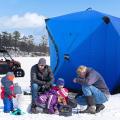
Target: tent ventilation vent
[[89, 9], [66, 57], [106, 19]]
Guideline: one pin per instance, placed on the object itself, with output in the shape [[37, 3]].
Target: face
[[10, 77], [41, 67], [82, 74], [60, 86]]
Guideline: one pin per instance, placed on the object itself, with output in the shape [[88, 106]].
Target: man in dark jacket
[[94, 89], [41, 78]]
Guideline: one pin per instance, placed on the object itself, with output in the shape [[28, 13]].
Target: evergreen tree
[[16, 38]]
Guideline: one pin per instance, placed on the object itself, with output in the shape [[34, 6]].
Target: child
[[7, 92], [62, 92], [47, 101], [17, 100], [18, 93], [54, 98], [58, 97]]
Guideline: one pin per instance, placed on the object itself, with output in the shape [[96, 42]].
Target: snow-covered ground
[[111, 111]]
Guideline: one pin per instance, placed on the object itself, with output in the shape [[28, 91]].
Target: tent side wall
[[86, 40]]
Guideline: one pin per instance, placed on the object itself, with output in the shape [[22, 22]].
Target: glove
[[75, 80], [41, 82], [14, 95], [48, 84]]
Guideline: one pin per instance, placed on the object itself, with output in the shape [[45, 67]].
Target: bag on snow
[[65, 110], [72, 102]]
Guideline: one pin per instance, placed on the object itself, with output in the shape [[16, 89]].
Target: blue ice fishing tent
[[86, 38]]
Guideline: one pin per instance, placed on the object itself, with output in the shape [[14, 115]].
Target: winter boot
[[35, 111], [33, 105], [99, 107], [17, 112], [91, 108], [33, 108]]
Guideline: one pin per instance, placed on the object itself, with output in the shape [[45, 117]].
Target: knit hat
[[42, 61], [10, 74], [63, 92], [60, 81]]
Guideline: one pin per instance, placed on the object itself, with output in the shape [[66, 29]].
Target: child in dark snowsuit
[[7, 92]]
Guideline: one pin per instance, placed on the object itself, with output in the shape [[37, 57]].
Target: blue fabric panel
[[88, 40]]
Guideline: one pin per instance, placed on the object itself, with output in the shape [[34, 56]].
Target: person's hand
[[75, 80], [14, 95], [48, 84], [41, 82]]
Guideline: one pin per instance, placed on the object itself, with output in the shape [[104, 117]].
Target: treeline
[[23, 43]]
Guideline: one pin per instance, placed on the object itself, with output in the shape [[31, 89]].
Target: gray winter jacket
[[41, 78], [95, 79], [17, 89]]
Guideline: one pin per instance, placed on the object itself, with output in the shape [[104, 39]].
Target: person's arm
[[91, 79], [7, 85], [34, 77]]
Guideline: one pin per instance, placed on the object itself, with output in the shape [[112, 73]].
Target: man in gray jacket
[[41, 78], [94, 89]]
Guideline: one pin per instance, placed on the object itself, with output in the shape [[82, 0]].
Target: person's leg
[[100, 98], [88, 99], [86, 92], [6, 103], [51, 103], [19, 101], [34, 91], [81, 100], [94, 96], [98, 95], [11, 104]]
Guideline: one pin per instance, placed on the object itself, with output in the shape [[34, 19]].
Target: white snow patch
[[111, 111]]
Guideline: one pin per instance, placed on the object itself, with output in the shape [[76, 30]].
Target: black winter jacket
[[40, 77]]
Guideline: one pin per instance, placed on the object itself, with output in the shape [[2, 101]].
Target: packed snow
[[111, 111]]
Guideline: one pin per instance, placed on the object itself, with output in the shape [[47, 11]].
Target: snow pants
[[8, 105]]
